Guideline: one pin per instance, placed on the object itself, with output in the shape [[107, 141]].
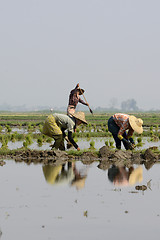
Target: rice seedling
[[28, 139], [94, 127], [75, 138], [156, 127], [111, 143], [4, 141], [40, 141], [139, 142], [19, 137], [154, 138], [106, 143], [41, 128], [77, 130], [1, 128], [25, 144], [92, 145], [151, 128], [49, 140], [30, 127], [82, 127], [13, 137], [8, 128], [1, 137], [4, 145], [88, 135]]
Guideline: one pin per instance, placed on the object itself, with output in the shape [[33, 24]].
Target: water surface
[[36, 206]]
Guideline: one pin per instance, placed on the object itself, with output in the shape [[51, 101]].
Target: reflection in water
[[121, 176], [65, 174], [75, 174]]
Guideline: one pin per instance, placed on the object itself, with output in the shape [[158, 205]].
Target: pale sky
[[110, 47]]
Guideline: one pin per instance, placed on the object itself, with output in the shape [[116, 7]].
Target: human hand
[[133, 146], [127, 143], [69, 145], [78, 149]]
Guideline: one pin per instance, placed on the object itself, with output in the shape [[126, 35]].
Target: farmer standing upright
[[74, 99], [119, 123]]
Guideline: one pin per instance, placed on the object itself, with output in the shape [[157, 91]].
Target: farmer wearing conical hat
[[74, 99], [56, 125], [121, 176], [119, 123]]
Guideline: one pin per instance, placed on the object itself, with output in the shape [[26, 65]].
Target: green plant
[[88, 135], [1, 128], [25, 144], [8, 128], [111, 143], [151, 128], [151, 132], [13, 137], [41, 128], [106, 143], [49, 140], [40, 141], [139, 139], [28, 139], [94, 127], [156, 127], [92, 145]]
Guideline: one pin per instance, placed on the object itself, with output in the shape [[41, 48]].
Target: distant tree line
[[129, 105]]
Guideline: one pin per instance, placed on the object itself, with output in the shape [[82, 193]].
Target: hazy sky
[[111, 47]]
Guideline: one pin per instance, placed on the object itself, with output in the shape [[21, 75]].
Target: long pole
[[85, 100]]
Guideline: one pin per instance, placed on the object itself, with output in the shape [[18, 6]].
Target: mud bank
[[105, 157]]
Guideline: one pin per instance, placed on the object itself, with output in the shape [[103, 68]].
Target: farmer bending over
[[119, 123], [74, 98], [56, 125]]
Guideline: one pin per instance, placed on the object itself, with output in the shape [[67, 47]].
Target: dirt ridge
[[106, 157]]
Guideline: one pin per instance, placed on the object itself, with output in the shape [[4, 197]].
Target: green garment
[[50, 127], [53, 125]]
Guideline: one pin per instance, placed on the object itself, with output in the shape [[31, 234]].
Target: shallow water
[[83, 144], [36, 206]]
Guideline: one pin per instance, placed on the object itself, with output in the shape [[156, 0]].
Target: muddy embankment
[[106, 157]]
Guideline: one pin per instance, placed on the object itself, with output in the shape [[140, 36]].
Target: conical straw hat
[[80, 183], [81, 90], [80, 116], [136, 124], [136, 176]]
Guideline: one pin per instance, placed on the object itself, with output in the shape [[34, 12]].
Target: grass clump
[[40, 141], [28, 139], [92, 145]]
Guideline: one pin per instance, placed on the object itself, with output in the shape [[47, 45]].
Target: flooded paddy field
[[83, 143], [77, 201], [74, 197]]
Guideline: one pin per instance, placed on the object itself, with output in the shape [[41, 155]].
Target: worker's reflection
[[122, 176], [65, 174], [80, 176]]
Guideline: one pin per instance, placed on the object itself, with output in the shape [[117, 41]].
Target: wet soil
[[106, 157]]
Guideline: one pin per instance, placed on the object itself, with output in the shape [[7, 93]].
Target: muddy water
[[36, 203], [100, 142], [83, 144]]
